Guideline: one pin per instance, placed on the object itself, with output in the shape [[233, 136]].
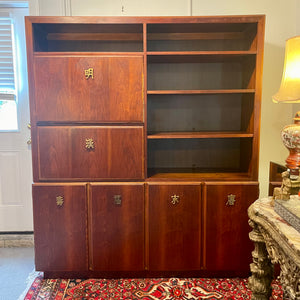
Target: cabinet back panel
[[197, 76], [167, 113], [198, 154], [94, 46], [200, 37], [197, 45]]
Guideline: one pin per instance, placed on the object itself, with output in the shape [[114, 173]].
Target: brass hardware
[[118, 199], [89, 73], [175, 199], [29, 140], [231, 200], [59, 200], [89, 144]]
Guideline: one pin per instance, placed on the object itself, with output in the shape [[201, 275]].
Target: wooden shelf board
[[86, 36], [196, 175], [200, 53], [200, 56], [86, 53], [227, 91], [177, 36], [197, 135], [119, 36]]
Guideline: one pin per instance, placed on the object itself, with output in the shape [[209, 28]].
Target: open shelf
[[200, 113], [200, 37], [208, 155], [218, 74], [88, 37], [193, 174], [198, 135]]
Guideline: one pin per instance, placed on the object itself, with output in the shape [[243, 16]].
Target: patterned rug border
[[33, 275], [141, 289]]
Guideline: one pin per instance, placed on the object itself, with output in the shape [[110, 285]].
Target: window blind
[[7, 78]]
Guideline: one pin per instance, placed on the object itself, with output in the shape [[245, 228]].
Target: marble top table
[[275, 241]]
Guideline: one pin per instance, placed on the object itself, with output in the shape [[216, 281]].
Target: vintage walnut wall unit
[[145, 134]]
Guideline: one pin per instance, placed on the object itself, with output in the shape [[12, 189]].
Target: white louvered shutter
[[7, 78]]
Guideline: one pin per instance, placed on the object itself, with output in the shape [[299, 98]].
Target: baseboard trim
[[11, 240]]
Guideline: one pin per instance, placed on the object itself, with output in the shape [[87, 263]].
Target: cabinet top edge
[[146, 19]]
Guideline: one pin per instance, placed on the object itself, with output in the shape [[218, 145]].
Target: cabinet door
[[60, 231], [227, 246], [90, 153], [88, 88], [174, 227], [117, 227]]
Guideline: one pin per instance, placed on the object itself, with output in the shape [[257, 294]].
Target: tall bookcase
[[145, 138]]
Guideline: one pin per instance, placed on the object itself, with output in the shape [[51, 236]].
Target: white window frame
[[16, 11]]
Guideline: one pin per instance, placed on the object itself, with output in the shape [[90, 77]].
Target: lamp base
[[290, 136]]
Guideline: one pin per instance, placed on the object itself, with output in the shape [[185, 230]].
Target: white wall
[[281, 23]]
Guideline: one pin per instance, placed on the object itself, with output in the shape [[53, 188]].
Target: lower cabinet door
[[174, 226], [116, 226], [227, 246], [60, 231]]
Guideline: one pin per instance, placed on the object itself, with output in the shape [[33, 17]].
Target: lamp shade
[[289, 90]]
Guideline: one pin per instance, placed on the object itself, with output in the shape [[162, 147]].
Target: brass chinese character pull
[[59, 201], [118, 199], [231, 200], [175, 199], [89, 144], [89, 73]]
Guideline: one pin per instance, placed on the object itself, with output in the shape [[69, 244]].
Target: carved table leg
[[261, 268], [289, 278]]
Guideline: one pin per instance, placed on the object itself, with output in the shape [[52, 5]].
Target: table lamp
[[289, 92]]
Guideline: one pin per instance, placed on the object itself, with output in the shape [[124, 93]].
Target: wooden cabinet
[[60, 232], [174, 226], [275, 176], [227, 245], [158, 117], [116, 216]]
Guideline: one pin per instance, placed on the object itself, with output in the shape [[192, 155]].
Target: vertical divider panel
[[145, 96]]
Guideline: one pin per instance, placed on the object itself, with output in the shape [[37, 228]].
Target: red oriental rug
[[142, 289]]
